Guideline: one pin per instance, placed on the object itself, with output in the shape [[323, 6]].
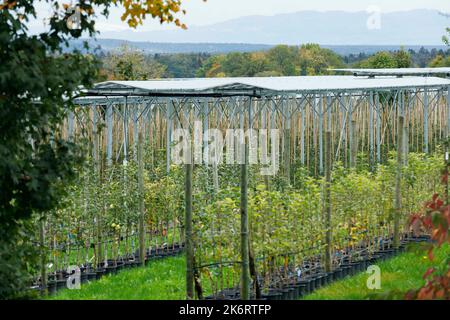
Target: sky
[[199, 12], [213, 11]]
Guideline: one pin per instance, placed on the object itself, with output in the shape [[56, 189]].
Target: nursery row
[[287, 227], [298, 285], [348, 169], [98, 226]]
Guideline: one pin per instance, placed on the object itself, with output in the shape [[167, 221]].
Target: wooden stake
[[327, 202], [43, 257], [353, 145], [141, 201], [398, 181], [245, 272], [188, 231]]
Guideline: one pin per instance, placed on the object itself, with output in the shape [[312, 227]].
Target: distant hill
[[215, 48], [415, 27], [161, 47]]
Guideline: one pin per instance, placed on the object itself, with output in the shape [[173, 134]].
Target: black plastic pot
[[374, 259], [112, 269], [386, 253], [317, 280], [220, 296], [101, 265], [100, 272], [302, 290], [228, 293], [329, 278], [337, 274], [236, 298], [84, 277], [349, 269], [342, 271], [272, 295], [91, 275], [325, 279], [359, 266], [366, 263], [356, 268], [51, 287], [132, 263], [404, 242], [389, 253], [306, 283], [312, 284], [120, 265], [61, 284], [295, 291], [420, 238], [284, 294]]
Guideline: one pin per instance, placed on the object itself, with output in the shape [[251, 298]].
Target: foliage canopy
[[37, 81]]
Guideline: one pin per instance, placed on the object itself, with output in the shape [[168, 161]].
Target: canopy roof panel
[[260, 85], [397, 71]]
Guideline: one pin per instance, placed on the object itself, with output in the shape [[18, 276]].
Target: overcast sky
[[212, 11]]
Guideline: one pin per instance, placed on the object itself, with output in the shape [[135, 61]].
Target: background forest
[[129, 63]]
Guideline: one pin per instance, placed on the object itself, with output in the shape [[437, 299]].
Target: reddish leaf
[[428, 272], [444, 178], [430, 254]]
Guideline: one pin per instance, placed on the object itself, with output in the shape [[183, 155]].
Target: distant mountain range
[[415, 27]]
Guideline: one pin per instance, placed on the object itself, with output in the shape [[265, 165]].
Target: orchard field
[[341, 197]]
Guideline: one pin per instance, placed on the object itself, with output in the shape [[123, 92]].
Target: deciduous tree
[[128, 63], [37, 82]]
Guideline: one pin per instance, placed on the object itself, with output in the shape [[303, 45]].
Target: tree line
[[128, 63]]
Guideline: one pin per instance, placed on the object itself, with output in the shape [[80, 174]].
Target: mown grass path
[[160, 280], [401, 273], [165, 280]]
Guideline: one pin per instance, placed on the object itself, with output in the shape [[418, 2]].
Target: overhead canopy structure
[[260, 86], [399, 72], [318, 101]]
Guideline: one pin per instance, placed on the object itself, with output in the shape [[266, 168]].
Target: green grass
[[160, 280], [399, 274], [165, 280], [77, 255]]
